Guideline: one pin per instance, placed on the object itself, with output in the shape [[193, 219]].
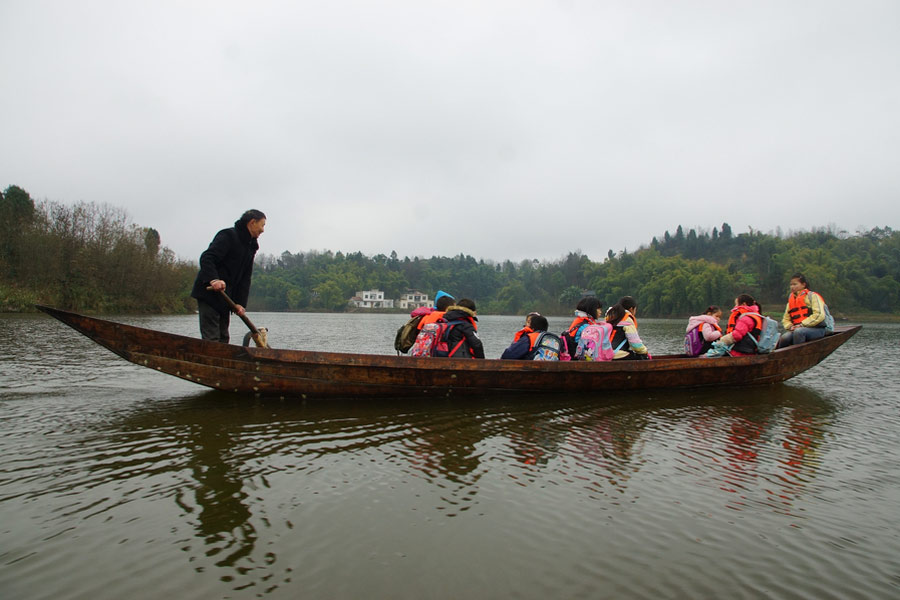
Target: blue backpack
[[547, 347], [768, 337], [829, 320]]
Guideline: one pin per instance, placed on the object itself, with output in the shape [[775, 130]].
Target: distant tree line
[[680, 275], [90, 257], [85, 257]]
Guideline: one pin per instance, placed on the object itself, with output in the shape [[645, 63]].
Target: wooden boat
[[304, 374]]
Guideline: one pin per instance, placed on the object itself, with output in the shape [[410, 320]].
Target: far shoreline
[[841, 319]]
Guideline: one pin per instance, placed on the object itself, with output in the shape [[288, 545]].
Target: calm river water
[[120, 482]]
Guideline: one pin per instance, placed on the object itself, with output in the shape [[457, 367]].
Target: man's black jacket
[[229, 258]]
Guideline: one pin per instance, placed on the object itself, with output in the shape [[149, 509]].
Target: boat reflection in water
[[756, 448]]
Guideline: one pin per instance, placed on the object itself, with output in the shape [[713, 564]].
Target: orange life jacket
[[578, 322], [797, 307], [533, 338], [700, 326], [431, 317], [737, 314], [521, 332], [732, 319]]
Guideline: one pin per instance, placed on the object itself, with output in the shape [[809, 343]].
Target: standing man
[[227, 265]]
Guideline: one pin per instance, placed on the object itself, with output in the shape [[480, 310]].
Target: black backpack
[[406, 335]]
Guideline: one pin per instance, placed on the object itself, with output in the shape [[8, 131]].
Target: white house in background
[[414, 299], [371, 299]]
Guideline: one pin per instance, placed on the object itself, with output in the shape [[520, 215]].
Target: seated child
[[527, 329], [523, 345], [707, 325]]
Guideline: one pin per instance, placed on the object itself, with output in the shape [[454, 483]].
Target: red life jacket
[[797, 307]]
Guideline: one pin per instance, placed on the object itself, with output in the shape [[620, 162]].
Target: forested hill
[[85, 257], [89, 257], [678, 275]]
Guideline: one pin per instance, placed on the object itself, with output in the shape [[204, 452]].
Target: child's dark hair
[[444, 302], [628, 302], [467, 303], [615, 313], [712, 309], [591, 305], [539, 323], [801, 278], [747, 299]]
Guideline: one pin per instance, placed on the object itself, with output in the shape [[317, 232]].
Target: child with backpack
[[587, 312], [745, 327], [462, 338], [418, 318], [805, 314], [528, 328], [535, 344], [702, 331], [626, 342]]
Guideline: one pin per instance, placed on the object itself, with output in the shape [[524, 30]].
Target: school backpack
[[547, 347], [768, 337], [693, 342], [432, 340], [407, 334], [829, 320], [564, 354], [594, 343]]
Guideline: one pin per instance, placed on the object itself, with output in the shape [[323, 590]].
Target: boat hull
[[304, 374]]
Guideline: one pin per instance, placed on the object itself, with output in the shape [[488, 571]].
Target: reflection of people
[[804, 315], [227, 265]]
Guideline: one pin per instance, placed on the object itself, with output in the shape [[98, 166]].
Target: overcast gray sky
[[519, 129]]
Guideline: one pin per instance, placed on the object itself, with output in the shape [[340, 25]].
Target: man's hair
[[252, 215], [466, 303], [444, 302], [539, 323]]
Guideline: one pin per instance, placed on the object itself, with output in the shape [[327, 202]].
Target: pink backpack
[[432, 340], [595, 343]]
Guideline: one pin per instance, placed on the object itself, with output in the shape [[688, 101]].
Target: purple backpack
[[693, 342]]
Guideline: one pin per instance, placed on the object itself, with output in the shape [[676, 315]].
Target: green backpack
[[406, 335]]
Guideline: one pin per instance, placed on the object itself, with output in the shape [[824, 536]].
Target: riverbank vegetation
[[680, 274], [89, 257], [85, 257]]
